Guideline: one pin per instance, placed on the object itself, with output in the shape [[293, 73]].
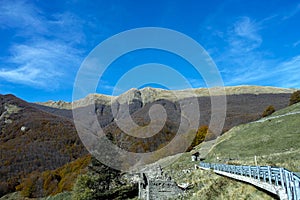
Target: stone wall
[[156, 185]]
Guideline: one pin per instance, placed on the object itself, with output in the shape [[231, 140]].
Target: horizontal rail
[[275, 176]]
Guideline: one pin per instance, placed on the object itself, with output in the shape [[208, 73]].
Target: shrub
[[268, 111], [85, 187], [102, 182], [200, 137], [295, 97], [28, 186]]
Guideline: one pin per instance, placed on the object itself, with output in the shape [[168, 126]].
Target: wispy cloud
[[296, 43], [244, 62], [49, 50], [19, 14], [292, 12], [39, 63], [243, 36], [240, 56], [288, 72]]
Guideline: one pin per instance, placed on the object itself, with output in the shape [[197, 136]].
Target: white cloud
[[247, 28], [288, 72], [23, 74], [240, 60], [243, 36], [28, 20], [292, 12], [19, 14], [243, 62], [69, 25], [49, 52], [39, 64]]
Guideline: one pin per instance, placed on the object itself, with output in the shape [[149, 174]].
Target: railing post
[[287, 183], [294, 187], [270, 174], [258, 175], [281, 177], [250, 171], [264, 175], [297, 187], [276, 179]]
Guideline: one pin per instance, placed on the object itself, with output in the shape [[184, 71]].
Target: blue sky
[[43, 43]]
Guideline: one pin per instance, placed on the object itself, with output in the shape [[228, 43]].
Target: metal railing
[[282, 177]]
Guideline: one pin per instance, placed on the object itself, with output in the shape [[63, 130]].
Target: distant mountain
[[241, 108], [148, 95], [244, 104]]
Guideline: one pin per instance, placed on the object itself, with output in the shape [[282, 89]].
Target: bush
[[95, 186], [268, 111], [295, 97], [200, 137], [28, 186], [102, 182], [85, 187]]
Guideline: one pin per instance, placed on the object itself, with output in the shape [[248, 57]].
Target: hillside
[[242, 108], [274, 140], [206, 185], [244, 104], [32, 140]]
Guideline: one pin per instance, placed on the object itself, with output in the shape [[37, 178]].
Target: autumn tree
[[295, 97], [200, 137], [268, 111]]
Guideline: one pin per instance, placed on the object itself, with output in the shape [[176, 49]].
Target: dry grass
[[275, 142], [206, 185]]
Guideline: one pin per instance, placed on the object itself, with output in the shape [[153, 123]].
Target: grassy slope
[[274, 141], [209, 186]]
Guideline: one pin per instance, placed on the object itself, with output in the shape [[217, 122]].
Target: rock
[[184, 186], [24, 128], [8, 121]]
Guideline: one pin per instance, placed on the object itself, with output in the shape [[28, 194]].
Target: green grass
[[292, 108], [275, 142], [206, 185]]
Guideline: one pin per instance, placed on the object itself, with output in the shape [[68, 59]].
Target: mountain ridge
[[149, 94]]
